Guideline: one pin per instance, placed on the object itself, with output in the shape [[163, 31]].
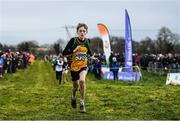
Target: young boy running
[[78, 48]]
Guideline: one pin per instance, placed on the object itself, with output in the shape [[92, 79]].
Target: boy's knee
[[75, 88], [81, 82]]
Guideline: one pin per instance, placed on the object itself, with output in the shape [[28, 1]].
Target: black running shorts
[[76, 74]]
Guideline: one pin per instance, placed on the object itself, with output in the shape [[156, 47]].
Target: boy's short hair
[[81, 25]]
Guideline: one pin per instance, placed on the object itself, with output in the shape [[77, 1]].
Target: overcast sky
[[43, 20]]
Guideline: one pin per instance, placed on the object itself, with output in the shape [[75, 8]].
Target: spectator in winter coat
[[1, 65], [115, 68], [97, 69]]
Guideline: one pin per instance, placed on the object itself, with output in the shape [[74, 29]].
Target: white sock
[[73, 97], [81, 102]]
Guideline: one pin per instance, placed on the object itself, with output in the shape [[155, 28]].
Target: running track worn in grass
[[35, 94]]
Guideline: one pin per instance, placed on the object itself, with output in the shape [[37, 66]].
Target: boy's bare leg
[[74, 89], [82, 86]]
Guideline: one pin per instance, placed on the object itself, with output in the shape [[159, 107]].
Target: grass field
[[35, 94]]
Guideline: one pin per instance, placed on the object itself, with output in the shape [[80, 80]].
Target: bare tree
[[166, 41], [28, 46], [58, 46], [147, 45], [96, 45]]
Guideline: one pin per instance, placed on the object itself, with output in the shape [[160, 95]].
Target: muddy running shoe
[[73, 102], [82, 108]]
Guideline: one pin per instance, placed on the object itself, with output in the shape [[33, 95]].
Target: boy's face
[[82, 33]]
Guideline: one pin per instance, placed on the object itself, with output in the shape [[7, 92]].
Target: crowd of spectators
[[157, 63], [11, 62]]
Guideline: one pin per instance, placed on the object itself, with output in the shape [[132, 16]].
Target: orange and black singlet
[[79, 58]]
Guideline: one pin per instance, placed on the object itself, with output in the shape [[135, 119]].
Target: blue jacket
[[115, 66], [1, 61]]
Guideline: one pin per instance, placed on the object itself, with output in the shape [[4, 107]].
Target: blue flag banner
[[128, 44], [126, 76]]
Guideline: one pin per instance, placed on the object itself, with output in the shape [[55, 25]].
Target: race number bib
[[80, 57]]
